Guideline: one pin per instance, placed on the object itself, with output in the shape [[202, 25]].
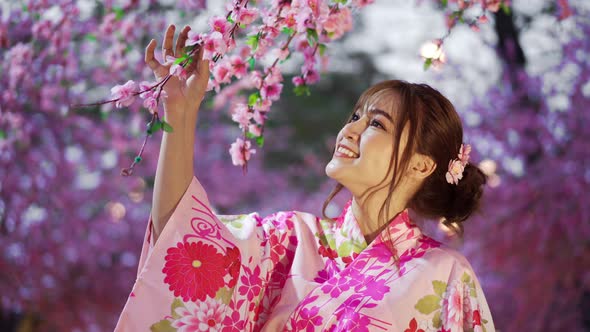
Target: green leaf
[[162, 326], [253, 41], [25, 8], [250, 135], [287, 31], [2, 134], [155, 126], [505, 8], [224, 295], [260, 141], [90, 37], [167, 127], [427, 63], [253, 98], [428, 304], [436, 322], [466, 278], [439, 287], [444, 3], [312, 36], [302, 90], [179, 60], [230, 20], [236, 224], [345, 249], [252, 62], [322, 48], [119, 13], [177, 303]]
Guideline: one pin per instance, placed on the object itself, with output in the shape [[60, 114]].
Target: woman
[[372, 269]]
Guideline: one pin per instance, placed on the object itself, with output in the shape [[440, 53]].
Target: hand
[[182, 95]]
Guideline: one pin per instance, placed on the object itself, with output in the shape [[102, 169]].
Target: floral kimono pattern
[[292, 271]]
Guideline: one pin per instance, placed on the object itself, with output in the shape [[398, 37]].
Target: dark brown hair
[[435, 130]]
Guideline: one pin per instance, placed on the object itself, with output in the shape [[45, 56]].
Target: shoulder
[[283, 220], [443, 260]]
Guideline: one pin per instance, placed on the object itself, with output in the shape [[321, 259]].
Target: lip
[[342, 155]]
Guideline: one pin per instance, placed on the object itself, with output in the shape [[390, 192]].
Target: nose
[[352, 130]]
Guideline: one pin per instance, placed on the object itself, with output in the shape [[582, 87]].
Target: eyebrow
[[381, 112]]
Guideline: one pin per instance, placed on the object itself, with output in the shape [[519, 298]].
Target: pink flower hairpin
[[457, 166]]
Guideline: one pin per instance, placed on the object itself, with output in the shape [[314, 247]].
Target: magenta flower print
[[376, 289], [205, 315], [336, 286], [194, 270], [308, 319], [233, 322], [351, 320], [251, 283]]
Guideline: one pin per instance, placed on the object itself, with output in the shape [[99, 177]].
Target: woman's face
[[364, 148]]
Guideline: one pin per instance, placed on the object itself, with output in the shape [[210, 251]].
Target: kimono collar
[[399, 236]]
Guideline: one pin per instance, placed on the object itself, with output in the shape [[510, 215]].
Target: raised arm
[[181, 107]]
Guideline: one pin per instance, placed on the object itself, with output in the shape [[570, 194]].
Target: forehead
[[385, 100]]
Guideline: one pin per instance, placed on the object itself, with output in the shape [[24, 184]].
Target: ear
[[421, 166]]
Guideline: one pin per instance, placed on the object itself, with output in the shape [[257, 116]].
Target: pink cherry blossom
[[214, 43], [464, 152], [492, 5], [312, 76], [194, 38], [255, 129], [298, 80], [222, 73], [274, 76], [242, 115], [259, 115], [455, 172], [247, 15], [240, 152], [151, 104], [239, 66], [124, 93], [219, 24], [271, 91], [338, 23]]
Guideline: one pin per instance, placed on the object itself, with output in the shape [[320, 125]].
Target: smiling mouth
[[344, 152]]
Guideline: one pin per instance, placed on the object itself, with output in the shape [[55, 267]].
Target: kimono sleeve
[[203, 262], [192, 260], [463, 306]]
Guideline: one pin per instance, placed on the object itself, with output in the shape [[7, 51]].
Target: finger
[[152, 62], [181, 41], [202, 65], [168, 42]]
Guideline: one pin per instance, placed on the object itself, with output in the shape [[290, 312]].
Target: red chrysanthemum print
[[413, 326], [233, 263], [194, 270]]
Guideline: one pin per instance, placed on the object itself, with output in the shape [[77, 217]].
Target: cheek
[[378, 151]]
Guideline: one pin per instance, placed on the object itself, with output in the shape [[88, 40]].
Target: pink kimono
[[293, 271]]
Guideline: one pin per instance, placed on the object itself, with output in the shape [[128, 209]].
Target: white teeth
[[347, 152]]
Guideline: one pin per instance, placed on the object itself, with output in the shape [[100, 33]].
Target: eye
[[376, 124], [354, 117]]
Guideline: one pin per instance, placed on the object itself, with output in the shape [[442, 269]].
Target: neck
[[366, 213]]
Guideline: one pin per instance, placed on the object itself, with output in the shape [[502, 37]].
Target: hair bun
[[466, 196]]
